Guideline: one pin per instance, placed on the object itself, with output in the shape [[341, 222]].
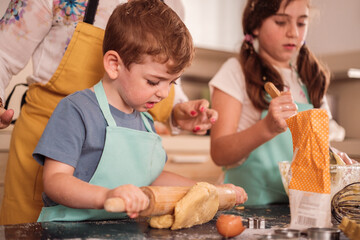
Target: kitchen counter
[[276, 216]]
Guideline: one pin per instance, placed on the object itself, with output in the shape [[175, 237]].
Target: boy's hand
[[194, 116], [135, 200], [241, 195]]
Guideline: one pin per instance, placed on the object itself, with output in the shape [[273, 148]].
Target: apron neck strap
[[105, 109], [104, 104], [145, 117], [90, 11]]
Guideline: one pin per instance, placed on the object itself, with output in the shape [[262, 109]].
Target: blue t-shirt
[[75, 134]]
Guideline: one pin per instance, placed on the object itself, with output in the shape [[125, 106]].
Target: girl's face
[[145, 84], [281, 35]]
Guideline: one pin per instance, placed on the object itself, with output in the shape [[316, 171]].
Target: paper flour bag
[[309, 187]]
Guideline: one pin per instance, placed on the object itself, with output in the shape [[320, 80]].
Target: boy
[[111, 147]]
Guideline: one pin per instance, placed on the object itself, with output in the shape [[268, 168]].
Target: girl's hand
[[135, 200], [194, 116], [280, 109], [241, 195]]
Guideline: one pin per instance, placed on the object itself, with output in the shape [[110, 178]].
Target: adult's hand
[[6, 117], [194, 116]]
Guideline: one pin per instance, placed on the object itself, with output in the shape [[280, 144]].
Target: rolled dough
[[199, 205], [164, 221]]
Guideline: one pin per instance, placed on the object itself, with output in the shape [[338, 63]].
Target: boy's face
[[145, 84]]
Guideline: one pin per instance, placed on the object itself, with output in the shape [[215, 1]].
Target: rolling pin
[[163, 200]]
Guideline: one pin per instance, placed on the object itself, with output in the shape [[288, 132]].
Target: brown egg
[[229, 225]]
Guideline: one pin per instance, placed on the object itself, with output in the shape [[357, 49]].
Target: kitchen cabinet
[[189, 156]]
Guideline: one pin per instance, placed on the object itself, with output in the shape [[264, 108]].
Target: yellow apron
[[80, 68]]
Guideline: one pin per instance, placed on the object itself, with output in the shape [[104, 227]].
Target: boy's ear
[[112, 64]]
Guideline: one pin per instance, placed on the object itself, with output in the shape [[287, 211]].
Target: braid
[[257, 71], [314, 75]]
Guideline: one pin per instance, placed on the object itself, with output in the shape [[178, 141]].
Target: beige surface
[[190, 145], [206, 171]]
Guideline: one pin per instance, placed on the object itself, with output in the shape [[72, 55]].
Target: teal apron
[[259, 175], [129, 157]]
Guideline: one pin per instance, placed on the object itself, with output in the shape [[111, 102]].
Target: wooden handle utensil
[[274, 92], [163, 200], [271, 90]]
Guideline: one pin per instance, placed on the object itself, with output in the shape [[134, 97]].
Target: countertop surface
[[276, 216]]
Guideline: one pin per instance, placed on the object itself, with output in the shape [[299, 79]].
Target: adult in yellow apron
[[114, 169], [81, 67], [259, 175]]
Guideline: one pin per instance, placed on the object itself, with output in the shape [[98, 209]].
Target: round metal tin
[[288, 232], [323, 233], [274, 236]]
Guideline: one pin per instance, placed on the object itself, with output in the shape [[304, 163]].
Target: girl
[[251, 136]]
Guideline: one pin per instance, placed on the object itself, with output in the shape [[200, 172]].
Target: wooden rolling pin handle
[[162, 200], [114, 205], [271, 90]]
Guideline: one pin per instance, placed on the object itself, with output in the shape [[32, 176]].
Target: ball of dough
[[164, 221]]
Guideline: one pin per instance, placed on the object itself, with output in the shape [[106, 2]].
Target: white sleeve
[[324, 105], [178, 7], [336, 132], [23, 26], [230, 79], [180, 97]]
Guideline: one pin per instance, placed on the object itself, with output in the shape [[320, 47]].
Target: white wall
[[19, 78], [3, 6], [337, 29], [216, 24]]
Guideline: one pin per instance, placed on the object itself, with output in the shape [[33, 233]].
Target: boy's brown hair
[[149, 27]]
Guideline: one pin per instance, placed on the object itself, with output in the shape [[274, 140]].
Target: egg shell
[[229, 225]]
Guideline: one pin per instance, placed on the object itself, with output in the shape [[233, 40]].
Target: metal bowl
[[341, 176], [288, 232], [323, 233], [274, 236]]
